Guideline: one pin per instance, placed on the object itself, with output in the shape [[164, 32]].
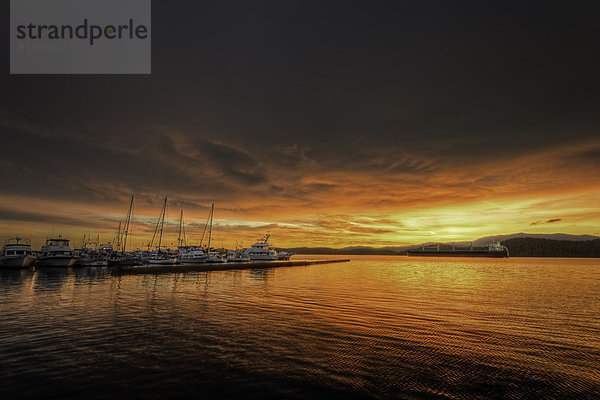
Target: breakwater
[[166, 269]]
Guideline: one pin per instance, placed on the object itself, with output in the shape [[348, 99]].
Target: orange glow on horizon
[[545, 192]]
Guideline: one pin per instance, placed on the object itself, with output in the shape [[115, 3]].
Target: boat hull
[[56, 261], [166, 261], [125, 262], [101, 263], [262, 259], [192, 261], [16, 262]]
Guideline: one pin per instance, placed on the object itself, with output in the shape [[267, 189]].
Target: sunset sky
[[329, 123]]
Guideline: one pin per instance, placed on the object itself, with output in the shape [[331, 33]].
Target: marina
[[57, 251], [156, 257]]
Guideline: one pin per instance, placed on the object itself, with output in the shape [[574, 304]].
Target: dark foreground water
[[378, 327]]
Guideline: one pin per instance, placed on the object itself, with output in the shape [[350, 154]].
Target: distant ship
[[495, 250]]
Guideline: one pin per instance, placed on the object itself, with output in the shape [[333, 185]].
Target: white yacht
[[191, 255], [56, 253], [16, 254], [262, 250]]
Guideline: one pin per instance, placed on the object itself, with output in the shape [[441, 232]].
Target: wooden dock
[[170, 269]]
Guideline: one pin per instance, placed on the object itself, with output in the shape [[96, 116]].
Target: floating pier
[[169, 269]]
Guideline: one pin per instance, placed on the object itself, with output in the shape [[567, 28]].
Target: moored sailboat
[[188, 254], [160, 257]]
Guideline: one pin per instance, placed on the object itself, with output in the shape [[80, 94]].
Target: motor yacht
[[16, 253], [56, 253], [262, 250]]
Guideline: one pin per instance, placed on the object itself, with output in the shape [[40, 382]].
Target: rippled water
[[377, 327]]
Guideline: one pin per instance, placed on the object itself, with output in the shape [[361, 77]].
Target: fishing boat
[[90, 254], [56, 253], [16, 254], [91, 258], [237, 255]]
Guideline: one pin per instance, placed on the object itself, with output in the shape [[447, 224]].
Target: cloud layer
[[328, 124]]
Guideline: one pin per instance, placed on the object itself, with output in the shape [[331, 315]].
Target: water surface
[[377, 327]]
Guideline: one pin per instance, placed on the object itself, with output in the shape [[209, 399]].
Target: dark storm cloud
[[250, 98], [434, 75], [56, 220], [97, 168], [229, 161]]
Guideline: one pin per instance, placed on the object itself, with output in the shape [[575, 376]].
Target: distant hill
[[533, 247], [553, 236], [521, 249]]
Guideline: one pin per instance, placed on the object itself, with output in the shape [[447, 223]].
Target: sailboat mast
[[119, 238], [179, 241], [204, 231], [184, 238], [127, 221], [162, 223], [212, 210]]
